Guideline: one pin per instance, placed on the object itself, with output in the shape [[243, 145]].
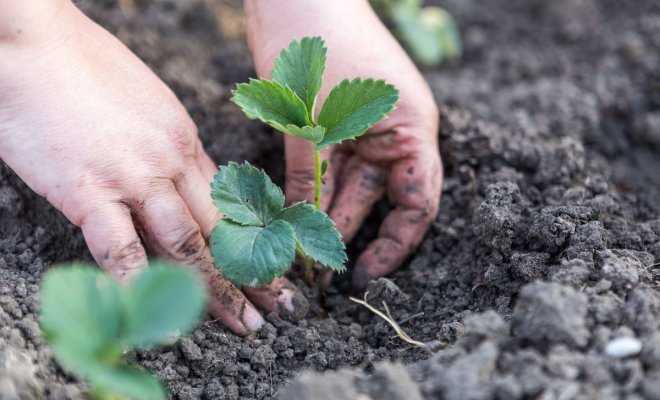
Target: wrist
[[272, 24], [34, 36], [31, 21]]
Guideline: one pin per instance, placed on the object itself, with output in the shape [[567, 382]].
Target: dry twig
[[388, 318]]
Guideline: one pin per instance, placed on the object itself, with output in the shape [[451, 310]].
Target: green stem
[[317, 178], [307, 261]]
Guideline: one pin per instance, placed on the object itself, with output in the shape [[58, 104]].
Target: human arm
[[92, 129]]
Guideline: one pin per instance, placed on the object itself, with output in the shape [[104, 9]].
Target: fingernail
[[285, 299], [252, 318]]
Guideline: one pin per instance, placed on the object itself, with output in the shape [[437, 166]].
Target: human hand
[[89, 127], [399, 156]]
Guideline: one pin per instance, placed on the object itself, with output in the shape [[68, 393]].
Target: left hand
[[399, 156]]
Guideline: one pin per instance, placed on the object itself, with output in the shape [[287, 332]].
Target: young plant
[[428, 33], [90, 322], [258, 238]]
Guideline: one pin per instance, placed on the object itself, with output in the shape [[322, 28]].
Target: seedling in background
[[90, 322], [428, 33], [258, 237]]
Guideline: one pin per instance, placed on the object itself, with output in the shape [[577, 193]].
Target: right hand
[[89, 127]]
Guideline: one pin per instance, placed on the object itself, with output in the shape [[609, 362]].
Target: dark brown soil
[[546, 248]]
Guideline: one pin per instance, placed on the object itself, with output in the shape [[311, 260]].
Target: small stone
[[623, 347]]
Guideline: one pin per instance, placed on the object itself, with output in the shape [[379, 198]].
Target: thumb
[[299, 183]]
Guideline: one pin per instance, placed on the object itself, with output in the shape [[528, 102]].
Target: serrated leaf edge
[[261, 170], [324, 56], [371, 81], [253, 115], [333, 229]]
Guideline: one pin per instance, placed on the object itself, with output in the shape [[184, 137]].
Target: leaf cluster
[[258, 237], [287, 102], [90, 322]]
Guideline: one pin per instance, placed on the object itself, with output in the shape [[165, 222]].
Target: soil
[[546, 248]]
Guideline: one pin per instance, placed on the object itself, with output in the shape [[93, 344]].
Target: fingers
[[111, 237], [414, 187], [195, 190], [171, 231], [228, 304], [299, 171], [362, 184], [280, 296], [339, 156], [207, 167]]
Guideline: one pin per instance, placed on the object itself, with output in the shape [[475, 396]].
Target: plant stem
[[308, 263], [317, 178]]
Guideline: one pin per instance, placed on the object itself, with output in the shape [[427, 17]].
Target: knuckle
[[301, 177], [185, 244], [124, 259], [299, 184], [372, 178], [183, 136]]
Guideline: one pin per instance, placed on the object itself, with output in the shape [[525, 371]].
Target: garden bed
[[547, 245]]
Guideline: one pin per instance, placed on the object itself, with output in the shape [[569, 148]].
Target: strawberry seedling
[[258, 237], [90, 322]]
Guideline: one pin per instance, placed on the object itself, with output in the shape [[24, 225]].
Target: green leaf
[[161, 302], [450, 39], [273, 104], [324, 167], [301, 68], [126, 381], [352, 107], [316, 235], [80, 360], [246, 195], [80, 315], [429, 33], [311, 133], [251, 255]]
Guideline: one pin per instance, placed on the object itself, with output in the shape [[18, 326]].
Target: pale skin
[[89, 127]]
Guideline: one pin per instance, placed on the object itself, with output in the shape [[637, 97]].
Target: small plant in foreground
[[258, 238], [91, 322]]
